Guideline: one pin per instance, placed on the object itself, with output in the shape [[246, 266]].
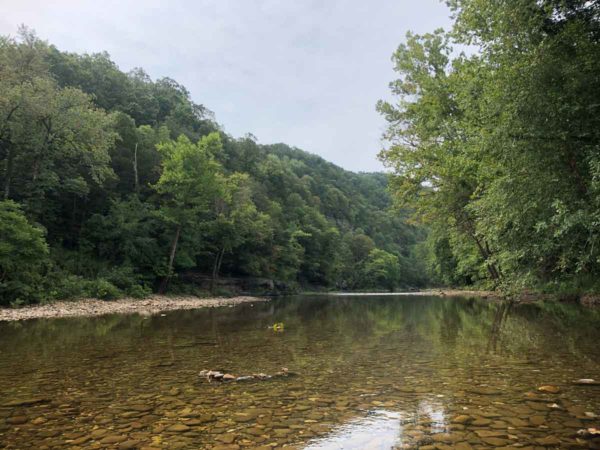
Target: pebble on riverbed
[[586, 382], [549, 389]]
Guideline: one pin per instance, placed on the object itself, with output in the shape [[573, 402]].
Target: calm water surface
[[371, 372]]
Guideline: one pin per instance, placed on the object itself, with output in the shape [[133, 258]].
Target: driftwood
[[218, 376]]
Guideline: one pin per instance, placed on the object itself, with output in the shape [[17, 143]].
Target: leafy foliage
[[23, 255], [140, 189], [498, 150]]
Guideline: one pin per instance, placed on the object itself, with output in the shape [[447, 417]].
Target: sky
[[304, 72]]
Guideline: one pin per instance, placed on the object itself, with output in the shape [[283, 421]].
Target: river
[[363, 372]]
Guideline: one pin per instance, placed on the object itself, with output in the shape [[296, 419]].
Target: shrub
[[138, 291], [65, 286], [104, 289], [128, 281]]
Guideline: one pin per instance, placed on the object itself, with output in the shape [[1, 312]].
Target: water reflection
[[379, 430], [496, 329], [416, 370], [433, 413]]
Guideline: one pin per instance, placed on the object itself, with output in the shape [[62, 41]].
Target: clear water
[[368, 372]]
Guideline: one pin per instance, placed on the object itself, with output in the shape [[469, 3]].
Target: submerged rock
[[586, 382], [537, 420], [205, 418], [481, 422], [549, 389], [25, 402], [227, 438], [179, 428], [17, 420], [113, 439], [462, 419], [548, 441], [96, 434], [130, 444], [483, 390], [495, 442]]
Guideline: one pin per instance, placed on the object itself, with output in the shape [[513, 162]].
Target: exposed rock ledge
[[94, 307]]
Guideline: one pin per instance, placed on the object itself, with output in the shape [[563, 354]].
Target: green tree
[[23, 255], [54, 143], [130, 236], [191, 180], [381, 269], [237, 221], [87, 151], [498, 151]]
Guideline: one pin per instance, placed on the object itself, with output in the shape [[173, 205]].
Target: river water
[[365, 372]]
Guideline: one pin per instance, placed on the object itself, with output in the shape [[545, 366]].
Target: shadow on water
[[372, 372]]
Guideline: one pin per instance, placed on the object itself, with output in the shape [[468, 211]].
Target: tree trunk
[[220, 262], [484, 249], [579, 181], [485, 255], [216, 269], [46, 144], [214, 273], [167, 278], [135, 170], [8, 174]]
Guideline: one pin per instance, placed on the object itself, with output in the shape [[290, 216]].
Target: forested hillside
[[498, 148], [116, 184]]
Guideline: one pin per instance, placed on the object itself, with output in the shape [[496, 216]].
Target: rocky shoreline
[[592, 300], [493, 295], [94, 307]]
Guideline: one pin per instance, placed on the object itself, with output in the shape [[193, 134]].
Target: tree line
[[116, 184], [494, 141]]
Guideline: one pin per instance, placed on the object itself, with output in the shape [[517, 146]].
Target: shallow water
[[368, 372]]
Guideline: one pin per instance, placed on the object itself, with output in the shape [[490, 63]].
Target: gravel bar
[[94, 307]]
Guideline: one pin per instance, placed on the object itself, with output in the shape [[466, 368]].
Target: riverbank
[[524, 297], [94, 307], [442, 292]]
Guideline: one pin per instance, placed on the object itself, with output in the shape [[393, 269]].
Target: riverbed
[[338, 372]]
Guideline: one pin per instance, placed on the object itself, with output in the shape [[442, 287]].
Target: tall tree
[[498, 151], [191, 180], [236, 221]]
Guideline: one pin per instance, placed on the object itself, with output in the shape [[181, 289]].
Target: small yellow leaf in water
[[277, 326]]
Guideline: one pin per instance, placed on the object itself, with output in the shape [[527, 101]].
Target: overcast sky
[[304, 72]]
